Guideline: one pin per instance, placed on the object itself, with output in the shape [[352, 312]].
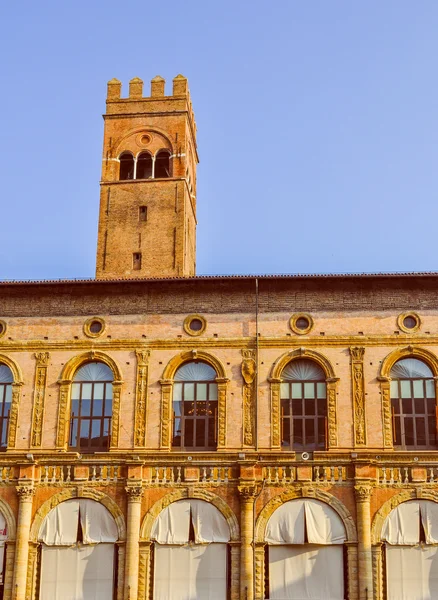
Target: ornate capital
[[134, 493], [248, 492], [142, 357], [363, 492], [42, 358], [357, 353], [25, 492]]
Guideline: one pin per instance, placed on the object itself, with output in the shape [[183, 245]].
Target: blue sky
[[317, 129]]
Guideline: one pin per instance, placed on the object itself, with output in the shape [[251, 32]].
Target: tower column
[[25, 495], [365, 562], [135, 494]]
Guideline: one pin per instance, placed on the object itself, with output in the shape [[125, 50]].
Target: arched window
[[77, 551], [305, 540], [91, 408], [6, 381], [413, 404], [190, 551], [144, 166], [303, 406], [411, 535], [126, 166], [195, 407], [162, 164]]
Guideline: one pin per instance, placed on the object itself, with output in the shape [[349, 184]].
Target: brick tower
[[147, 219]]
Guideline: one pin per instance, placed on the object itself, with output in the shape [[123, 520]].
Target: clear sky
[[317, 129]]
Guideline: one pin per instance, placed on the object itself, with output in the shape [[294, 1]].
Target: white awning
[[290, 523], [172, 525], [60, 527], [402, 526]]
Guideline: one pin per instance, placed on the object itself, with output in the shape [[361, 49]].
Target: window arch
[[195, 407], [91, 408], [126, 166], [163, 167], [6, 381], [144, 166], [303, 393], [413, 404]]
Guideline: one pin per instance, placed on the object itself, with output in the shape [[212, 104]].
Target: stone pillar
[[120, 570], [9, 570], [31, 571], [25, 495], [135, 494], [235, 570], [144, 571], [260, 571], [352, 570], [377, 550], [247, 497], [363, 496]]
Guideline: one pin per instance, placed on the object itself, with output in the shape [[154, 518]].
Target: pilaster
[[358, 393], [42, 362]]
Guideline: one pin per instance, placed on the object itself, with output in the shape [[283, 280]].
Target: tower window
[[144, 166], [126, 166], [143, 213], [136, 261], [162, 164]]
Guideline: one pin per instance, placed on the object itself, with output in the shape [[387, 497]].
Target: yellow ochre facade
[[150, 390]]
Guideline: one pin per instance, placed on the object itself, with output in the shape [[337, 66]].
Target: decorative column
[[31, 571], [247, 497], [377, 550], [260, 571], [117, 393], [352, 570], [63, 419], [144, 571], [135, 494], [42, 362], [248, 369], [385, 387], [358, 391], [363, 493], [221, 412], [166, 399], [9, 570], [140, 399], [13, 414], [275, 413], [120, 570], [332, 412], [25, 494], [235, 570]]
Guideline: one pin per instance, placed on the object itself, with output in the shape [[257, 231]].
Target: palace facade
[[168, 436]]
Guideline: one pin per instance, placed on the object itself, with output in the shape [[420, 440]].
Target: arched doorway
[[411, 535], [78, 552], [190, 552], [305, 549]]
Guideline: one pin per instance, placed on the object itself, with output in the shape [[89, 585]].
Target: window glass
[[284, 390]]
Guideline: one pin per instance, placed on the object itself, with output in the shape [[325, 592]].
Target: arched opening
[[190, 552], [195, 407], [162, 164], [303, 392], [410, 533], [126, 166], [144, 166], [91, 408], [413, 404], [77, 556], [305, 552], [6, 381]]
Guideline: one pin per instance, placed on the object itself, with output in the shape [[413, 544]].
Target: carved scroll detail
[[386, 414], [166, 396], [222, 412], [141, 397], [332, 415], [275, 412], [358, 389], [248, 369], [42, 362]]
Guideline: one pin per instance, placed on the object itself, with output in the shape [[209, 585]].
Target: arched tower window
[[162, 164], [144, 166], [91, 408], [6, 380], [126, 166], [303, 406], [413, 404], [195, 406]]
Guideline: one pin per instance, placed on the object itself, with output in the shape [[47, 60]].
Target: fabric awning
[[60, 527], [402, 526], [298, 521], [172, 525]]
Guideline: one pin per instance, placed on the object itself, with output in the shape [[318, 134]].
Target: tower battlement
[[157, 101]]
